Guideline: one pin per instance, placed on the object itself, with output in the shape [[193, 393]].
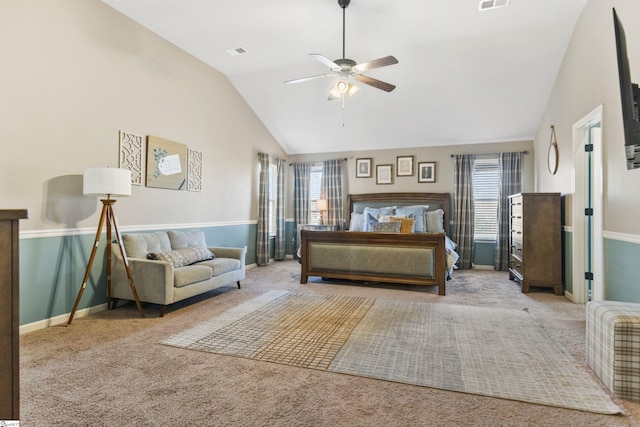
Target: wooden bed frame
[[415, 245]]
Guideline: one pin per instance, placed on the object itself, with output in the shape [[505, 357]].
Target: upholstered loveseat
[[170, 266]]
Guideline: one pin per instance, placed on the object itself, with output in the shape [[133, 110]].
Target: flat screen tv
[[630, 96]]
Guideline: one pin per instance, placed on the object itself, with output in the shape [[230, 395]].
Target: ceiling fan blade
[[376, 63], [305, 79], [379, 84], [326, 61]]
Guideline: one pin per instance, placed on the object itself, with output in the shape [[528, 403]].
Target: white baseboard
[[61, 319], [483, 267], [568, 295]]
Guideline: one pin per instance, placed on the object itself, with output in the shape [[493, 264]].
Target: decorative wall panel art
[[194, 172], [166, 164], [132, 155]]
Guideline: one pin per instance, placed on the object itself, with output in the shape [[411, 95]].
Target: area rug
[[493, 352]]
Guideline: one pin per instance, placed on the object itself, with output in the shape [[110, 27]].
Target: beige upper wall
[[74, 73], [440, 155], [588, 78]]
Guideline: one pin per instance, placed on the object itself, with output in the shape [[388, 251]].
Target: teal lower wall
[[620, 261], [483, 253], [52, 268], [620, 270], [567, 264]]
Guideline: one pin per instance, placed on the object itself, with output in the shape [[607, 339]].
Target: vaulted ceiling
[[464, 76]]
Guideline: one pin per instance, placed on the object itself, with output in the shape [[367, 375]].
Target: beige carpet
[[107, 369], [492, 352]]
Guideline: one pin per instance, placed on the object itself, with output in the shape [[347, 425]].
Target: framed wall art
[[427, 172], [363, 168], [404, 166], [384, 174], [166, 164]]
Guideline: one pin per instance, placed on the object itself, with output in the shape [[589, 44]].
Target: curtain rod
[[490, 154], [319, 161]]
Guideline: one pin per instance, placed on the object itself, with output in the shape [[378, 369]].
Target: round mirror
[[552, 159]]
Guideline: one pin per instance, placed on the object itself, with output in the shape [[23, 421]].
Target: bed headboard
[[357, 202]]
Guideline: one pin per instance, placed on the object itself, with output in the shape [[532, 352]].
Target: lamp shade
[[108, 181], [321, 204]]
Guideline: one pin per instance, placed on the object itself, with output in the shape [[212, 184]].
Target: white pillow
[[357, 222], [435, 221]]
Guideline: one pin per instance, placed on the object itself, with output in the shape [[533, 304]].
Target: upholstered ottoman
[[613, 346]]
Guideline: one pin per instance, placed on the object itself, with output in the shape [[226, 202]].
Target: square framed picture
[[427, 172], [384, 174], [404, 166], [363, 168]]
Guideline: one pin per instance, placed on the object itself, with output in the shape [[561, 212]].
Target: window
[[315, 183], [273, 198], [486, 191]]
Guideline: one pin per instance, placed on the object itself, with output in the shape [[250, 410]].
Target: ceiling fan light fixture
[[341, 88], [353, 89]]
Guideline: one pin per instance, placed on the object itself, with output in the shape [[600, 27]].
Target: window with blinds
[[315, 183], [486, 191]]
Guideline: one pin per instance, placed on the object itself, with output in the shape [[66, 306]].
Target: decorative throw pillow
[[435, 221], [182, 257], [418, 212], [386, 227], [357, 222], [407, 225], [374, 213]]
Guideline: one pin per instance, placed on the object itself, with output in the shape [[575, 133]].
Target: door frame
[[580, 135]]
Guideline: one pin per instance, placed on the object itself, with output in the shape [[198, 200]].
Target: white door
[[587, 243]]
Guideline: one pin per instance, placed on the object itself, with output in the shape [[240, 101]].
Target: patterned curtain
[[331, 190], [510, 165], [463, 209], [262, 241], [301, 178], [280, 230]]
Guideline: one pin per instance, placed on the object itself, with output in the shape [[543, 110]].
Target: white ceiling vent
[[492, 4], [238, 50]]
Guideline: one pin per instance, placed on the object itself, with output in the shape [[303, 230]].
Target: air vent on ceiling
[[236, 51], [492, 4]]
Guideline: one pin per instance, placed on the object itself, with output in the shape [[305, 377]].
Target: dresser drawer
[[516, 265], [516, 207], [516, 248]]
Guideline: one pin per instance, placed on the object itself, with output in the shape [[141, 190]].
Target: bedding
[[419, 239]]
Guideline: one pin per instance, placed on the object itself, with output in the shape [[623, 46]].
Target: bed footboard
[[415, 259]]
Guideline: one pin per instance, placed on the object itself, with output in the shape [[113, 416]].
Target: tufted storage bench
[[613, 346]]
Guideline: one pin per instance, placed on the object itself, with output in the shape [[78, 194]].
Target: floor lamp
[[107, 182]]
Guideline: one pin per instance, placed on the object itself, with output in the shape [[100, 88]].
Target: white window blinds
[[486, 191], [315, 183]]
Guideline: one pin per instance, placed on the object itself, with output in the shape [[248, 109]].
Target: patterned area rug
[[487, 351]]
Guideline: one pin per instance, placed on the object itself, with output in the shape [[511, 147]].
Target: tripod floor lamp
[[107, 182]]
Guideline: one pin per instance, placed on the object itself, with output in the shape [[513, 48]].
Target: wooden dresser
[[9, 316], [535, 242]]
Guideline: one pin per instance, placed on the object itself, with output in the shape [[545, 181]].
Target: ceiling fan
[[348, 68]]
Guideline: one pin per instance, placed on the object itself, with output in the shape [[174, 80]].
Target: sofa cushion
[[138, 245], [187, 239], [189, 274], [222, 265], [182, 257]]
